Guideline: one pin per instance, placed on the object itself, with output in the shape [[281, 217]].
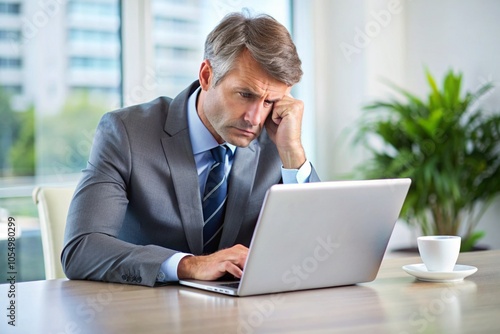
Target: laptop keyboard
[[231, 285]]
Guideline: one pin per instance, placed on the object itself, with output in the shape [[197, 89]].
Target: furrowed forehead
[[250, 75], [258, 84]]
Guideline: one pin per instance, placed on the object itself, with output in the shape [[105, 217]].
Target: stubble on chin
[[231, 133], [241, 141]]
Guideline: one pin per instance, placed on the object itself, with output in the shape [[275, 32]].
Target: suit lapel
[[185, 179], [240, 186], [179, 155]]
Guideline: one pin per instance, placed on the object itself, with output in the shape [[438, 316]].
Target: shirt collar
[[201, 139]]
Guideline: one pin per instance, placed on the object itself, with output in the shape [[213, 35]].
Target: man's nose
[[254, 114]]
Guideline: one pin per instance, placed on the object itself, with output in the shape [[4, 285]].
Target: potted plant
[[449, 148]]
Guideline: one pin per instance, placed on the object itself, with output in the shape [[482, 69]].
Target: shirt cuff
[[168, 269], [300, 175]]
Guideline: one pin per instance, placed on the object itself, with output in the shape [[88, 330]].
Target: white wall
[[357, 43], [454, 34]]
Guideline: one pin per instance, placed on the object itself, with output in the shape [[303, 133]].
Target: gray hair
[[267, 40]]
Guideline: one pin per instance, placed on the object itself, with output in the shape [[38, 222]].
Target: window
[[61, 69], [9, 35], [175, 23], [99, 8], [10, 8], [12, 89], [91, 35], [94, 63], [10, 62]]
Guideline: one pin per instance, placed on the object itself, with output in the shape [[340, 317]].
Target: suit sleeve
[[91, 247]]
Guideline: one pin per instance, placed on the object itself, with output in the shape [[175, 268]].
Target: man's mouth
[[247, 132]]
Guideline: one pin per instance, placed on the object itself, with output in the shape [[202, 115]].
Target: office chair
[[53, 204]]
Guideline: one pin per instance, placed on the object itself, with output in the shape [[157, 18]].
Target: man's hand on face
[[211, 267], [284, 125]]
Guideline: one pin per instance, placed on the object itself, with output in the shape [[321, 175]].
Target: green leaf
[[468, 243], [451, 90], [434, 97], [432, 123]]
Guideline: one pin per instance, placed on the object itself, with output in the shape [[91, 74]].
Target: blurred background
[[65, 63]]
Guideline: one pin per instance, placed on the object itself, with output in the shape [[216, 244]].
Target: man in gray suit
[[137, 217]]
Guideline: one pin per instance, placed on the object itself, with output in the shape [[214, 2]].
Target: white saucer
[[420, 272]]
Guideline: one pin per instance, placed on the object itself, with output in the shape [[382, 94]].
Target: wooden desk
[[394, 303]]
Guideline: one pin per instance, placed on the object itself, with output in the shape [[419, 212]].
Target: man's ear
[[205, 75]]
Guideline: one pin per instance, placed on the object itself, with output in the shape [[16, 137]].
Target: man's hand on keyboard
[[212, 266]]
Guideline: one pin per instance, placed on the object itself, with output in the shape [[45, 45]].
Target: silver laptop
[[317, 235]]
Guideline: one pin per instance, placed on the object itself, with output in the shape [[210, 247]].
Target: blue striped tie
[[214, 200]]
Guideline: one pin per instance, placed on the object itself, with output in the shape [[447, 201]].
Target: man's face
[[235, 110]]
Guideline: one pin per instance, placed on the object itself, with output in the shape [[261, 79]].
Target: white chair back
[[53, 204]]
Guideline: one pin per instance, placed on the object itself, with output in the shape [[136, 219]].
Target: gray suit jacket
[[138, 201]]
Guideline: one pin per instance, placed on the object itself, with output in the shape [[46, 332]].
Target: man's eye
[[268, 104], [245, 95]]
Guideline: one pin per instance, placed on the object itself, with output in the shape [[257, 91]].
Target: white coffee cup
[[439, 252]]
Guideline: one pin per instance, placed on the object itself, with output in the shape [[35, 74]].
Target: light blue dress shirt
[[203, 141]]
